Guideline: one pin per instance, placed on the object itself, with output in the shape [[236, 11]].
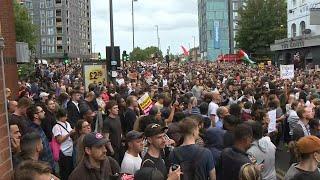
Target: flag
[[185, 52], [244, 56]]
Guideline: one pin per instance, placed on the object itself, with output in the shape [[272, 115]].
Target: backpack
[[189, 168]]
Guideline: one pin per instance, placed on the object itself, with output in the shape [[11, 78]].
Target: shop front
[[302, 51]]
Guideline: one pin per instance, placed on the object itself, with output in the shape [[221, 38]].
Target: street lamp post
[[194, 48], [158, 38], [132, 11]]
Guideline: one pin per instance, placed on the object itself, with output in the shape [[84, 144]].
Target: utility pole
[[194, 48], [113, 58], [230, 12]]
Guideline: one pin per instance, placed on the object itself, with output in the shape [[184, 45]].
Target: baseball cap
[[154, 129], [43, 94], [94, 139], [308, 144], [133, 135]]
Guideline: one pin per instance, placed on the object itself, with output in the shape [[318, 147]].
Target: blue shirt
[[46, 154], [219, 124]]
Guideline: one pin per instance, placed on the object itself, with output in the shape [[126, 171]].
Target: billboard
[[216, 34]]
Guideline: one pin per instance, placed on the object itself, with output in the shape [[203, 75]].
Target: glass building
[[215, 36]]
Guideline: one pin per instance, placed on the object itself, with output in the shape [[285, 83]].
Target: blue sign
[[216, 34]]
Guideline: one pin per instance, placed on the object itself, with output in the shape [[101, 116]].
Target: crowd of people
[[208, 120]]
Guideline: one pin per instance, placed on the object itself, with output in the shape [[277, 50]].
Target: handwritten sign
[[95, 74], [145, 103], [287, 71], [273, 121]]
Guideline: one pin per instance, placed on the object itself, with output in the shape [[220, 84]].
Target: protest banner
[[287, 71], [145, 103]]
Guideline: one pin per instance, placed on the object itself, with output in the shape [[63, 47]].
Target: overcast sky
[[177, 21]]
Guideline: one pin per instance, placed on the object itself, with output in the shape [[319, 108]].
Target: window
[[50, 22], [44, 49], [43, 31], [42, 14], [294, 3], [43, 22], [43, 41], [293, 30], [50, 49], [50, 13], [50, 41], [302, 27], [235, 15], [235, 6], [50, 31], [42, 4]]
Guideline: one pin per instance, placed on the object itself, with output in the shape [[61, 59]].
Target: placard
[[287, 71], [94, 73], [273, 121], [145, 103]]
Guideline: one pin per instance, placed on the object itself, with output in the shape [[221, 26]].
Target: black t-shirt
[[158, 163], [229, 163], [113, 127], [129, 120], [302, 175], [200, 157]]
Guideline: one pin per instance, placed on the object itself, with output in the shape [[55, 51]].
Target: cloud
[[177, 21]]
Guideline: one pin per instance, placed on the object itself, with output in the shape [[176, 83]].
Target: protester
[[263, 150], [307, 150], [33, 170], [222, 112], [214, 142], [195, 162], [36, 115], [96, 164], [231, 160], [20, 115], [73, 108], [130, 115], [112, 129], [31, 149], [132, 160], [50, 119], [249, 172], [15, 137], [81, 129], [155, 135], [62, 132]]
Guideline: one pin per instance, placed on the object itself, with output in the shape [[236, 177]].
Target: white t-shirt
[[212, 110], [130, 164], [67, 146]]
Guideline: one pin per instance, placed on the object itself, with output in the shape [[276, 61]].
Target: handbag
[[55, 146]]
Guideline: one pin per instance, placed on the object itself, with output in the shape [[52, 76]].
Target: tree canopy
[[139, 54], [260, 23], [25, 30]]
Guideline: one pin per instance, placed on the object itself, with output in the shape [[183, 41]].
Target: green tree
[[25, 30], [261, 22], [139, 54]]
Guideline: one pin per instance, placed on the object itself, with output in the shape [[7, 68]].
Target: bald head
[[12, 106], [222, 112]]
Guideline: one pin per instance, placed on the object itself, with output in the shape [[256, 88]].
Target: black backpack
[[190, 168]]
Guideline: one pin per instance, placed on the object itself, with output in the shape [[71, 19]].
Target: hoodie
[[263, 150], [214, 142]]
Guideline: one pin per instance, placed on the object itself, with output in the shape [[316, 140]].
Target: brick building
[[10, 71]]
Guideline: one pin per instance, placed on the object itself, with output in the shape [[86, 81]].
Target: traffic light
[[65, 58], [125, 56], [99, 56]]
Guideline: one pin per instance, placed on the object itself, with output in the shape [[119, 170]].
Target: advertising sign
[[94, 73]]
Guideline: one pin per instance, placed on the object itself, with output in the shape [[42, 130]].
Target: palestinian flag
[[244, 56]]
